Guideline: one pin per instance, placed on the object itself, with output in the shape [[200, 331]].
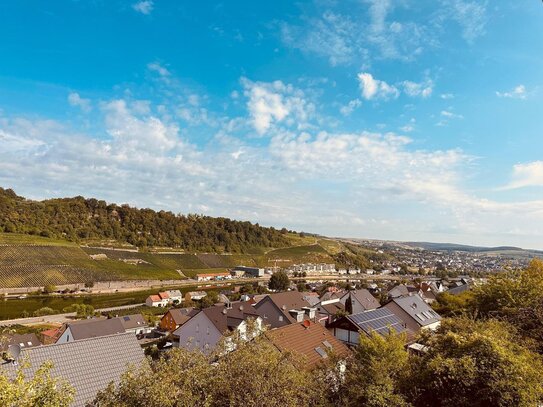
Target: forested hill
[[79, 220]]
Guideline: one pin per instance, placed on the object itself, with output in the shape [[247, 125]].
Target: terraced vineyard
[[29, 261], [24, 265]]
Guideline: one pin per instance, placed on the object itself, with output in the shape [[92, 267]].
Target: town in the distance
[[352, 316]]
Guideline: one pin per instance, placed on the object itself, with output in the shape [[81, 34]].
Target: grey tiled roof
[[91, 328], [89, 365], [417, 309]]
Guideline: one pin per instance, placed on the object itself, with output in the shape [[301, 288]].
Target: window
[[208, 330], [321, 352], [197, 328], [327, 344], [280, 318]]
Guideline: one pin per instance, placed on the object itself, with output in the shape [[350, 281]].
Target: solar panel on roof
[[126, 318], [380, 320]]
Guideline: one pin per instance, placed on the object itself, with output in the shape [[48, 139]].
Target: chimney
[[310, 311], [298, 314]]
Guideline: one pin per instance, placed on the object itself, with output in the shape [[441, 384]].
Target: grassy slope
[[35, 261]]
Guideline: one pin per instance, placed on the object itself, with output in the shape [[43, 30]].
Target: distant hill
[[91, 220], [467, 248]]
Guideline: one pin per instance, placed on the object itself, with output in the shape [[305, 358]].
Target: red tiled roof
[[164, 296], [311, 340], [155, 298]]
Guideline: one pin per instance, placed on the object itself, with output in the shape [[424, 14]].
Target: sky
[[417, 120]]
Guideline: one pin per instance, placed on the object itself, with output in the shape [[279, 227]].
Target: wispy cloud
[[158, 68], [471, 16], [518, 92], [144, 7], [414, 89], [350, 107]]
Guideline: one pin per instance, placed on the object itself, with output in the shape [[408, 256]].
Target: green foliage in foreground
[[468, 363], [40, 390]]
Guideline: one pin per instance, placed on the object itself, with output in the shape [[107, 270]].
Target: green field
[[14, 308]]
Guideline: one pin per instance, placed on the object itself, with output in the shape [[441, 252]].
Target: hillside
[[27, 260], [90, 220]]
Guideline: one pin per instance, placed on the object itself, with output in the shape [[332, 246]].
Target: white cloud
[[446, 96], [450, 115], [414, 89], [275, 102], [527, 175], [350, 107], [373, 88], [158, 68], [75, 100], [518, 92], [144, 7]]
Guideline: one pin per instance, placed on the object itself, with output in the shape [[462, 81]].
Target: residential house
[[156, 301], [285, 308], [50, 336], [356, 301], [329, 310], [88, 365], [176, 296], [194, 295], [401, 291], [309, 340], [416, 313], [135, 323], [175, 317], [22, 340], [381, 320], [205, 329], [458, 289], [90, 328], [426, 292]]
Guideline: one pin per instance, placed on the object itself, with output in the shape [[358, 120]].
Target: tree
[[510, 290], [256, 374], [40, 390], [279, 281], [49, 288], [475, 363], [373, 375]]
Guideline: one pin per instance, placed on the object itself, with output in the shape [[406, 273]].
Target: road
[[58, 318]]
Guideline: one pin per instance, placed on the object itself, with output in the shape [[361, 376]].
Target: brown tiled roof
[[226, 318], [311, 340], [182, 315], [50, 332], [333, 307], [287, 301]]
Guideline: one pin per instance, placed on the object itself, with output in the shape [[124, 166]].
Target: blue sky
[[403, 120]]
